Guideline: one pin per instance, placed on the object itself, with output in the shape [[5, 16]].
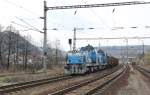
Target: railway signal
[[70, 43]]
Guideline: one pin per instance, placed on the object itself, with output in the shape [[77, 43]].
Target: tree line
[[17, 52]]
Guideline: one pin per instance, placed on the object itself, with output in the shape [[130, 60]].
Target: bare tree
[[1, 48], [49, 54], [23, 53], [17, 46], [26, 53], [9, 47], [26, 50], [14, 47], [57, 43], [1, 42]]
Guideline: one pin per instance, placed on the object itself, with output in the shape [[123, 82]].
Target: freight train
[[87, 60]]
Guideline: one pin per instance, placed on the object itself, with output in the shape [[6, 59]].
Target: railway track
[[53, 81], [143, 71], [29, 84], [15, 74], [89, 86]]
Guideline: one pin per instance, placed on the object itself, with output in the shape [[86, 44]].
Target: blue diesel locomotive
[[87, 59]]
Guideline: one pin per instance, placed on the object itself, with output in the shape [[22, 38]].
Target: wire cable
[[97, 16], [28, 28], [29, 24], [21, 7], [21, 25]]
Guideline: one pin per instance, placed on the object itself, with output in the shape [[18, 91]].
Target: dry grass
[[19, 77]]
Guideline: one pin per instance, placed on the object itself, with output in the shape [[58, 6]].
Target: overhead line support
[[98, 5], [115, 38], [45, 37]]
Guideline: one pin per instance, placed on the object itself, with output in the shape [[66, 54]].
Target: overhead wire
[[28, 24], [99, 18], [21, 7], [31, 27], [28, 28], [20, 25]]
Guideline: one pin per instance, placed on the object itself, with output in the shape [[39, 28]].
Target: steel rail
[[145, 72], [76, 86], [144, 69], [28, 84], [112, 79]]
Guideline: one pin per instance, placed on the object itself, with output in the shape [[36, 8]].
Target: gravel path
[[137, 85], [133, 83]]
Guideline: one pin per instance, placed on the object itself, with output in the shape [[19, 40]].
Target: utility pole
[[143, 48], [74, 39], [107, 47], [127, 49], [121, 55], [143, 52], [45, 38], [99, 45]]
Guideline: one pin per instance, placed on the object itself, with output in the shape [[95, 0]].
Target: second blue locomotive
[[88, 59]]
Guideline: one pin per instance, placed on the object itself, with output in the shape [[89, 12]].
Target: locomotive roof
[[100, 51], [87, 48]]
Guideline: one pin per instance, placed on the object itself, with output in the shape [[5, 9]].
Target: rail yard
[[44, 53]]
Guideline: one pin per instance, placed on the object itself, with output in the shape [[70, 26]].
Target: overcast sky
[[102, 19]]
